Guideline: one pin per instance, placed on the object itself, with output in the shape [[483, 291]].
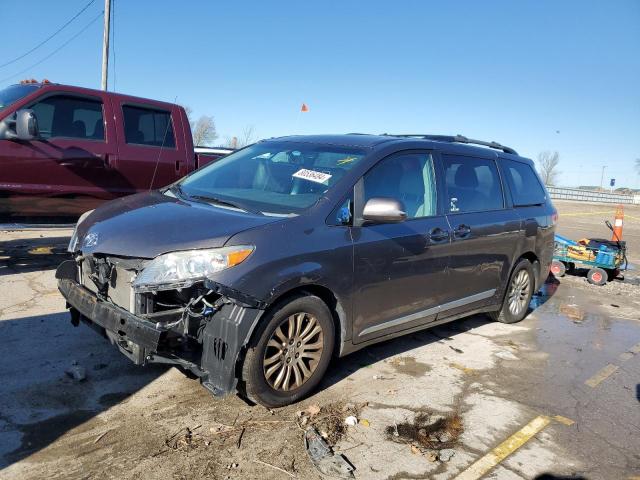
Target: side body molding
[[430, 311]]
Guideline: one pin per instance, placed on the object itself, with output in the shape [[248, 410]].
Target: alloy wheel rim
[[293, 352], [519, 292]]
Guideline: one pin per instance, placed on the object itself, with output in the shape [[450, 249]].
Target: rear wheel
[[289, 353], [597, 276], [518, 296], [558, 268]]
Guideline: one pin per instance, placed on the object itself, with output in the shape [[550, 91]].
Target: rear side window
[[408, 177], [524, 184], [473, 184], [146, 126], [70, 117]]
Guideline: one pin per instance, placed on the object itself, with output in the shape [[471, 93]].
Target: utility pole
[[105, 43], [602, 176]]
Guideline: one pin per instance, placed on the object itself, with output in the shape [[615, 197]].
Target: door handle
[[462, 231], [437, 235]]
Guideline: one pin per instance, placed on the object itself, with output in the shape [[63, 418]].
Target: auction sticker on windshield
[[312, 175]]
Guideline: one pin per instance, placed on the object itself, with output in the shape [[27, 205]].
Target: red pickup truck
[[65, 149]]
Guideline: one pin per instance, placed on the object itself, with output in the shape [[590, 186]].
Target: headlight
[[73, 243], [182, 269]]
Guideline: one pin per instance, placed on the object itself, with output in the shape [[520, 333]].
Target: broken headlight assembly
[[73, 243], [182, 269]]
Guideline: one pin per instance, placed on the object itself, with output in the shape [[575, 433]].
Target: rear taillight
[[554, 217]]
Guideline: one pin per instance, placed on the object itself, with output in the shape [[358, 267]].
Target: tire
[[558, 268], [517, 281], [267, 344], [597, 276]]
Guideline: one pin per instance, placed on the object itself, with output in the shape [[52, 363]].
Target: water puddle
[[38, 435], [409, 366]]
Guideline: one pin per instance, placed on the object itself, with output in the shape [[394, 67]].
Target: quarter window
[[408, 177], [70, 117], [145, 126], [473, 184], [524, 184]]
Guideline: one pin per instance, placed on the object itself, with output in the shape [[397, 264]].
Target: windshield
[[14, 93], [272, 177]]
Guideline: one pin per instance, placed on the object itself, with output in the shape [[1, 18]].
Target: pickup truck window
[[70, 117], [14, 93], [146, 126]]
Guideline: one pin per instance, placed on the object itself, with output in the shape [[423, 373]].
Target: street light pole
[[602, 176], [105, 43]]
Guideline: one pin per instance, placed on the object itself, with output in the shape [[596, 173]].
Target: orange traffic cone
[[617, 224]]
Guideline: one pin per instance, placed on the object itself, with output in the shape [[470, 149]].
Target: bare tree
[[247, 137], [548, 166], [204, 131]]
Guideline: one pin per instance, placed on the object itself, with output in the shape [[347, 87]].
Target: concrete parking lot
[[555, 396]]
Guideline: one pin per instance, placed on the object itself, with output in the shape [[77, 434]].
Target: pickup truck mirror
[[27, 125], [384, 210]]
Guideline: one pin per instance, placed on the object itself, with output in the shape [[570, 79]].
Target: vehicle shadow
[[32, 254], [40, 401], [344, 367]]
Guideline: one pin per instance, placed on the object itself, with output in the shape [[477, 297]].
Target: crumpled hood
[[149, 224]]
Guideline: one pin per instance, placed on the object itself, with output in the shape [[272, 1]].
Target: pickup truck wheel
[[515, 305], [289, 353]]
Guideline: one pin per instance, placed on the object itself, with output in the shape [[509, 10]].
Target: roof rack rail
[[457, 139]]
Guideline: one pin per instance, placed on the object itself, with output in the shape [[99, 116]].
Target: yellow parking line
[[581, 214], [506, 448], [563, 420], [601, 375]]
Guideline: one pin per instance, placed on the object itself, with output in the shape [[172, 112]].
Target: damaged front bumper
[[208, 347]]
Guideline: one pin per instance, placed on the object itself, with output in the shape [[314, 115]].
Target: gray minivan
[[252, 273]]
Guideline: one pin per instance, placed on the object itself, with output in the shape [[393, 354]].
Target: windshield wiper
[[227, 203]]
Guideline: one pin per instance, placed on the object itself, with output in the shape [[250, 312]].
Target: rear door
[[67, 171], [400, 269], [151, 153], [484, 230]]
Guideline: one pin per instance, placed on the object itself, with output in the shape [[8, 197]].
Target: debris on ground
[[446, 454], [573, 312], [462, 368], [77, 372], [351, 421], [184, 439], [323, 458], [457, 350], [330, 420], [427, 432], [506, 355]]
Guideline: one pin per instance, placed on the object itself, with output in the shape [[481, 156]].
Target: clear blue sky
[[517, 72]]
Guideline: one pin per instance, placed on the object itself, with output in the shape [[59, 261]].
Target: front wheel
[[289, 353], [519, 292]]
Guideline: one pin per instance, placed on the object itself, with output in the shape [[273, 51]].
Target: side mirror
[[384, 210], [27, 125]]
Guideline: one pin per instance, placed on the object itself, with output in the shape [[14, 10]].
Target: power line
[[49, 37], [55, 51]]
